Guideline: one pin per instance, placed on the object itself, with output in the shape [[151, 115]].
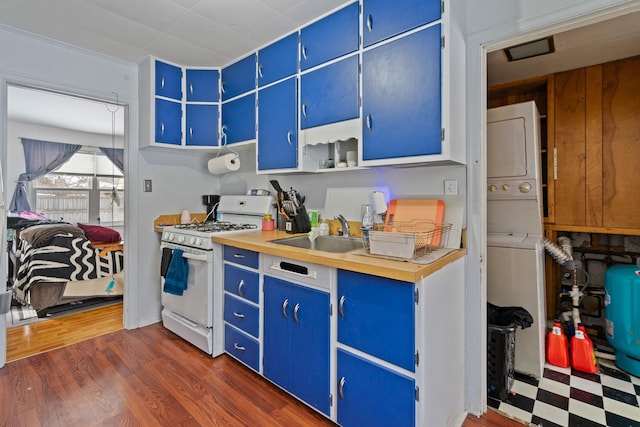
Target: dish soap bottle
[[367, 221]]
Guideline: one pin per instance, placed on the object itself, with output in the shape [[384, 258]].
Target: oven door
[[195, 303]]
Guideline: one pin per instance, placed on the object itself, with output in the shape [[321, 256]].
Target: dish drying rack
[[406, 240]]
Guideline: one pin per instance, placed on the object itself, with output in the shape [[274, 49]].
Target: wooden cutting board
[[407, 210]]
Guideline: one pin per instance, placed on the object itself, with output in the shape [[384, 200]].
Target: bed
[[58, 263]]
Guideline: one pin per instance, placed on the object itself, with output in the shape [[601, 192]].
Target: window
[[87, 189]]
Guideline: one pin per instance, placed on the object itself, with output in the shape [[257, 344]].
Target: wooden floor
[[148, 377], [23, 341]]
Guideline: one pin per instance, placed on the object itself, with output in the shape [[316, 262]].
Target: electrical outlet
[[147, 186], [450, 186]]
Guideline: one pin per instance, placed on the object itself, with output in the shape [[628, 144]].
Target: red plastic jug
[[557, 347], [582, 356]]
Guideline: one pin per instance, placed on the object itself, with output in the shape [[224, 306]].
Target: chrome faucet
[[346, 232]]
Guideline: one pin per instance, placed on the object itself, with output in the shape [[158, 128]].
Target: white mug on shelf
[[352, 159]]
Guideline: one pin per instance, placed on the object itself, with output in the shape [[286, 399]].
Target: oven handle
[[195, 257]]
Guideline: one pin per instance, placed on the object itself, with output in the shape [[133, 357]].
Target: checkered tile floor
[[570, 398]]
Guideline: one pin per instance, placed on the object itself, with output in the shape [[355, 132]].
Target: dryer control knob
[[492, 188], [505, 187], [525, 187]]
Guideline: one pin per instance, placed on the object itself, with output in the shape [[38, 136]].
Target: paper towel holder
[[224, 144]]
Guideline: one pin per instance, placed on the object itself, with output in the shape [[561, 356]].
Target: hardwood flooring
[[149, 377], [23, 341]]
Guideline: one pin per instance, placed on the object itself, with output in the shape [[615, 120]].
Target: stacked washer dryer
[[515, 253]]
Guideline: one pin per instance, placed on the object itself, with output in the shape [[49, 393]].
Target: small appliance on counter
[[210, 201]]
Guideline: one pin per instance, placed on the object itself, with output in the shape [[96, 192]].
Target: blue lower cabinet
[[242, 283], [372, 395], [242, 347], [242, 315], [296, 341], [376, 315], [168, 122]]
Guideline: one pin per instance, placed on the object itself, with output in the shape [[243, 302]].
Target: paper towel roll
[[223, 164]]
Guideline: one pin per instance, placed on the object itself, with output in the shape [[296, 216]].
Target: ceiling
[[213, 33]]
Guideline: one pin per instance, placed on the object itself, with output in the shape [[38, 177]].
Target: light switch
[[147, 186]]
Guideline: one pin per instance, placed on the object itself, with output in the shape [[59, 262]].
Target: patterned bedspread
[[66, 258]]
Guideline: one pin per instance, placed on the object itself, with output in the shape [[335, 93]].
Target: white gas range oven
[[197, 314]]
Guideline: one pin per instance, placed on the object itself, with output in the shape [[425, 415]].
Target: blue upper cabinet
[[239, 77], [202, 125], [330, 94], [168, 122], [239, 119], [277, 127], [202, 85], [278, 60], [382, 19], [401, 97], [331, 37], [168, 80]]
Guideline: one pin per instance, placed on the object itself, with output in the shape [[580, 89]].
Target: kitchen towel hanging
[[223, 164], [177, 275]]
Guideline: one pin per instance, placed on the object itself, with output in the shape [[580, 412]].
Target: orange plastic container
[[582, 356], [557, 347]]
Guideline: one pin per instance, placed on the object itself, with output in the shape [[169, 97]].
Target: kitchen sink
[[335, 244]]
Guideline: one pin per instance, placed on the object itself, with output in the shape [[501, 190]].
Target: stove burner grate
[[216, 226]]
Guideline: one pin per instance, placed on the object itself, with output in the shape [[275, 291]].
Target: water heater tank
[[622, 301]]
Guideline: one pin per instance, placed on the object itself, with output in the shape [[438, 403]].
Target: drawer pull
[[238, 256], [260, 71], [289, 137], [296, 309], [369, 23], [238, 347], [240, 286], [285, 303], [161, 128], [191, 88], [369, 125], [238, 315], [304, 110], [304, 51], [341, 306], [341, 387], [162, 82]]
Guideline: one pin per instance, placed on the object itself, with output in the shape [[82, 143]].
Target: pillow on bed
[[98, 233]]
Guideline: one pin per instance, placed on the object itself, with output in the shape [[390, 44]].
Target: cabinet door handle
[[162, 82], [238, 315], [240, 286], [191, 88], [369, 124], [341, 387], [341, 306], [161, 128], [304, 51], [260, 71], [222, 86], [238, 347], [369, 22], [289, 135], [304, 110], [296, 309], [190, 131], [285, 303]]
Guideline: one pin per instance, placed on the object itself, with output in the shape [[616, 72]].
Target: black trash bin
[[501, 347], [501, 351]]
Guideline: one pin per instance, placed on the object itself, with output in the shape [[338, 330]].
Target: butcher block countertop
[[259, 241]]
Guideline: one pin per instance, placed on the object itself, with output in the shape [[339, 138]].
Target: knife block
[[300, 223]]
